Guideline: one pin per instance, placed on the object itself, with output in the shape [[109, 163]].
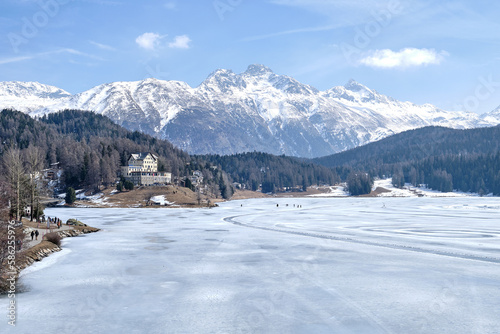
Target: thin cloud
[[348, 11], [75, 52], [326, 4], [14, 59], [48, 53], [290, 32], [104, 2], [405, 58], [103, 46], [180, 42], [149, 40]]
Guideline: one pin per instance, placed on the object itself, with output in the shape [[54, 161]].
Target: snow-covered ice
[[333, 265]]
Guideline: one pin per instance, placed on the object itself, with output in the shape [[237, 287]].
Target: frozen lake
[[338, 265]]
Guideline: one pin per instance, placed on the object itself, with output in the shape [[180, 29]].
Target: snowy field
[[333, 265]]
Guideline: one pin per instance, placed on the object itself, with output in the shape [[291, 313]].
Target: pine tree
[[70, 196]]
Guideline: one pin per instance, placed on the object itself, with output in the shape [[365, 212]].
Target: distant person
[[36, 234], [32, 235]]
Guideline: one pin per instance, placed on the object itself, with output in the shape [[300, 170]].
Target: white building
[[142, 169]]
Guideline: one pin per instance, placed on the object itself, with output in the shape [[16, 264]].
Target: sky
[[446, 53]]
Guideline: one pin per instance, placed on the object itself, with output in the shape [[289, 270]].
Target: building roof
[[142, 156]]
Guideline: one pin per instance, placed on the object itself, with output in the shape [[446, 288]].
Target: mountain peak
[[258, 69], [354, 86], [220, 72], [151, 80]]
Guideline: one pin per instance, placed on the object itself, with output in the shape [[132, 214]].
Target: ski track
[[232, 220]]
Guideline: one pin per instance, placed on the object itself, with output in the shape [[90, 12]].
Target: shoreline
[[379, 191], [37, 253]]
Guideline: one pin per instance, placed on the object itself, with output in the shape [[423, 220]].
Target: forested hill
[[273, 172], [90, 149], [415, 145], [445, 159]]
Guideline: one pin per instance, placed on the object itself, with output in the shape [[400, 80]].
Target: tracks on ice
[[232, 220]]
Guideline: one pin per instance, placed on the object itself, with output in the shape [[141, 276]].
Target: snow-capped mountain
[[491, 117], [255, 110], [29, 97]]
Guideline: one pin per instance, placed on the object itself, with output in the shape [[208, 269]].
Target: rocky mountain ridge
[[256, 110]]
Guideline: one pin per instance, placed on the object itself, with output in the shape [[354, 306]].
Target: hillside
[[89, 148], [272, 172], [445, 159], [415, 145]]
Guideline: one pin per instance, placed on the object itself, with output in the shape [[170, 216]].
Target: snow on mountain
[[254, 110], [492, 117], [29, 97]]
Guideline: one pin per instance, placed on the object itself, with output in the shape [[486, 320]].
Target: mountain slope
[[414, 145], [443, 159], [257, 110]]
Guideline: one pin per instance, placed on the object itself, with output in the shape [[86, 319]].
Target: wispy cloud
[[78, 53], [180, 42], [14, 59], [104, 2], [338, 8], [103, 46], [290, 32], [405, 58], [322, 4], [149, 40], [48, 53]]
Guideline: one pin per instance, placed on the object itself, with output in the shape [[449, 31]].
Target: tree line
[[272, 173], [87, 148], [441, 158]]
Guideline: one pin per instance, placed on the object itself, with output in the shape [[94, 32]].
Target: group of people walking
[[35, 234], [45, 220], [48, 220]]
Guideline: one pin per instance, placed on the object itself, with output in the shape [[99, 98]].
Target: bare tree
[[6, 236], [16, 177], [108, 170], [34, 163]]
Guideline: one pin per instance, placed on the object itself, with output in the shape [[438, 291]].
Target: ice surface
[[333, 265]]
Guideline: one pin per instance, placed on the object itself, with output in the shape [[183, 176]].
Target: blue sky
[[442, 52]]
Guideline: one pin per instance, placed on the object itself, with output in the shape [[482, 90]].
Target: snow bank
[[411, 191], [161, 200]]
